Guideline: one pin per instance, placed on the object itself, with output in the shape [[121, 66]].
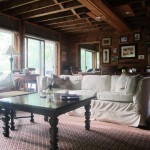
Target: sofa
[[8, 83], [120, 99]]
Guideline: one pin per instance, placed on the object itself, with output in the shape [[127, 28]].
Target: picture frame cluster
[[126, 50]]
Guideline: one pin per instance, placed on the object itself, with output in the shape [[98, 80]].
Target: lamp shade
[[11, 51]]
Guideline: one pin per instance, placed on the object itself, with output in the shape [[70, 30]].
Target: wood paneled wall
[[141, 47]]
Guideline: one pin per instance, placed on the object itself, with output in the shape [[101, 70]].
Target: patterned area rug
[[73, 136]]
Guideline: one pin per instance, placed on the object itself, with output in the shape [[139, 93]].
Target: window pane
[[88, 60], [34, 47], [41, 55], [6, 39], [50, 58], [83, 65], [97, 64]]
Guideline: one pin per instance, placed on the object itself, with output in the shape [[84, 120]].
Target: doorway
[[89, 56]]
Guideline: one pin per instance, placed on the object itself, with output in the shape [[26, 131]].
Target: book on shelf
[[70, 97]]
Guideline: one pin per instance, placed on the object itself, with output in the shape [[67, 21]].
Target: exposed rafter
[[80, 16], [101, 10]]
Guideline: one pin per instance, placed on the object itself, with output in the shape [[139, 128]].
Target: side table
[[27, 79]]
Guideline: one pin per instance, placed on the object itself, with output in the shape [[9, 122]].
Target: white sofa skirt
[[115, 112], [80, 112]]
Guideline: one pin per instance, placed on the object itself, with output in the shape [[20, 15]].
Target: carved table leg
[[45, 118], [53, 121], [32, 117], [5, 119], [87, 116], [12, 115]]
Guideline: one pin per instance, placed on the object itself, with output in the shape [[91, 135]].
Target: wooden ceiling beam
[[46, 11], [65, 19], [74, 12], [74, 27], [81, 29], [76, 21], [29, 8], [70, 4], [15, 4], [60, 5], [100, 9], [69, 25], [52, 16]]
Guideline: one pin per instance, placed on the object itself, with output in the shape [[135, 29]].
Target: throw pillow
[[75, 82], [6, 81], [121, 83], [114, 79], [62, 82], [131, 84]]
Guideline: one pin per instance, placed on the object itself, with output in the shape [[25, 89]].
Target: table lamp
[[11, 51]]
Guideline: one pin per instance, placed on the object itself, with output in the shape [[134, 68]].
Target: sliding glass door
[[34, 54], [86, 60], [41, 55], [50, 58]]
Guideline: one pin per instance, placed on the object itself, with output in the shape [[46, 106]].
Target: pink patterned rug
[[73, 136]]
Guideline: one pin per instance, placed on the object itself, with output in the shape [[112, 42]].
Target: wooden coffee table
[[51, 108]]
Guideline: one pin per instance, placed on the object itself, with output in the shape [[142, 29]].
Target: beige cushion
[[74, 81], [61, 82], [131, 84], [6, 81], [121, 83], [115, 96], [83, 92], [96, 82], [114, 79]]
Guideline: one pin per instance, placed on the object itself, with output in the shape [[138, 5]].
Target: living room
[[51, 36]]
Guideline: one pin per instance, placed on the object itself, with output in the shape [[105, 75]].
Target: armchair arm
[[141, 99]]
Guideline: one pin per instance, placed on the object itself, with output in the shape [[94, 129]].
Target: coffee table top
[[34, 100]]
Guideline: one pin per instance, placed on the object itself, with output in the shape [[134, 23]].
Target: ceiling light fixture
[[127, 13], [98, 18]]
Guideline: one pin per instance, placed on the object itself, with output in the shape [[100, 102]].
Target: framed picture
[[106, 41], [127, 51], [106, 56], [140, 56], [63, 56], [123, 39], [114, 50], [137, 36], [114, 58]]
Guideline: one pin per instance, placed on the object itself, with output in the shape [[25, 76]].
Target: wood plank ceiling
[[78, 16]]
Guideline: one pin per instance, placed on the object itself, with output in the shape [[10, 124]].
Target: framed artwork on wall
[[140, 56], [123, 39], [114, 58], [137, 36], [114, 50], [106, 41], [127, 51], [106, 55]]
